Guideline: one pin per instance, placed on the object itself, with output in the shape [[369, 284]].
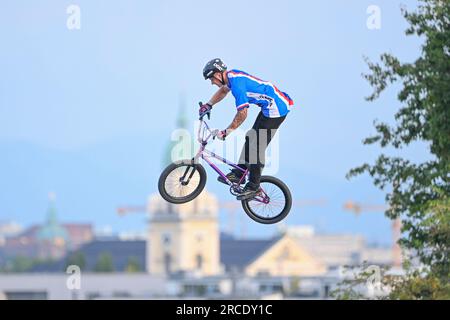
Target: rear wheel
[[182, 181], [272, 204]]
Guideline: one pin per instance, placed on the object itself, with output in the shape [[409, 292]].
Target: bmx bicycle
[[182, 181]]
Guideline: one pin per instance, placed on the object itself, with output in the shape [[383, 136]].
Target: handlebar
[[204, 132], [207, 113]]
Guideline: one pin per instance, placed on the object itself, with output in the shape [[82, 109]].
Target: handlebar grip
[[208, 113], [200, 105]]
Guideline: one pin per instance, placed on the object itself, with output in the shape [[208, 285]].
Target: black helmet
[[213, 66]]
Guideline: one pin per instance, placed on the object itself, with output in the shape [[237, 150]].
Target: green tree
[[133, 265], [104, 263], [418, 192], [294, 285], [76, 258], [21, 264]]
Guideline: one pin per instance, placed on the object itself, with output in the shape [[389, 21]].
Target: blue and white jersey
[[248, 89]]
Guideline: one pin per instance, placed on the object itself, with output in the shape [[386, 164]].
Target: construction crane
[[124, 210], [230, 206], [396, 227], [233, 206]]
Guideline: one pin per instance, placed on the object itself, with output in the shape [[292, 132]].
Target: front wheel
[[182, 181], [272, 204]]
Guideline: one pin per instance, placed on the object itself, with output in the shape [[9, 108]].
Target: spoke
[[274, 207], [175, 188], [270, 208]]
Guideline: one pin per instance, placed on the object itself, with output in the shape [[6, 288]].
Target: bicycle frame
[[204, 134]]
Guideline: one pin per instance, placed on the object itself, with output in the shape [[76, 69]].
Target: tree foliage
[[104, 263], [77, 258], [133, 265], [418, 193]]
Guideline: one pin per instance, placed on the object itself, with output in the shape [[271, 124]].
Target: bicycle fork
[[183, 182]]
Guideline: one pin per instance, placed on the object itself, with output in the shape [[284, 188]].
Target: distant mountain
[[90, 183]]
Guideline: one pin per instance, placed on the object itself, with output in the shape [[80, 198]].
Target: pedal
[[247, 197], [221, 179]]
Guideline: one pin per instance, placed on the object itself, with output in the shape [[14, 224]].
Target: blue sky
[[96, 106]]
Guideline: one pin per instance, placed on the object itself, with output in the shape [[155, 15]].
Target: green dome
[[52, 229]]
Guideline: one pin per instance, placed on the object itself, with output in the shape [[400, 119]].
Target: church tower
[[183, 238], [52, 237]]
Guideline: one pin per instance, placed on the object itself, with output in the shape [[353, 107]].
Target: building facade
[[184, 238]]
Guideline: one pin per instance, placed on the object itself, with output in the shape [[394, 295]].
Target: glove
[[221, 135], [204, 109]]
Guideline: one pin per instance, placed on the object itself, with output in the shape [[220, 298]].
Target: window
[[26, 295], [92, 295], [167, 263], [199, 260], [166, 239]]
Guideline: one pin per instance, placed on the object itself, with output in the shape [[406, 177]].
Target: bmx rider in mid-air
[[247, 89]]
